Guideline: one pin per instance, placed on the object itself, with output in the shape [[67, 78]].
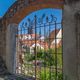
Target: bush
[[50, 75], [46, 57]]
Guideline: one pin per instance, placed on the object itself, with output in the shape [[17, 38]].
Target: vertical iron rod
[[35, 49], [55, 51]]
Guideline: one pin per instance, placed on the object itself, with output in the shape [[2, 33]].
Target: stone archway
[[71, 56], [22, 8], [14, 15]]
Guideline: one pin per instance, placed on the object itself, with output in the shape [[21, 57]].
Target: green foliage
[[59, 50], [47, 57], [50, 76], [60, 76]]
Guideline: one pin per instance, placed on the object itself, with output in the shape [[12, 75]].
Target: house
[[28, 42], [56, 40], [28, 36]]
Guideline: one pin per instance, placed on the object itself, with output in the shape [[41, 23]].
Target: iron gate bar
[[55, 53], [62, 45], [35, 48], [44, 52], [42, 26], [49, 48]]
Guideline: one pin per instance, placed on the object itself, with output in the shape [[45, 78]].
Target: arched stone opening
[[71, 57], [15, 15], [22, 8]]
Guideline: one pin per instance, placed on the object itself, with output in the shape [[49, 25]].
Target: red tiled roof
[[32, 35], [52, 34], [31, 42]]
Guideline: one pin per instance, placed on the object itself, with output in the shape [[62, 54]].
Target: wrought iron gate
[[39, 48]]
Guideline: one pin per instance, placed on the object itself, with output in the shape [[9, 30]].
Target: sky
[[5, 4], [56, 12]]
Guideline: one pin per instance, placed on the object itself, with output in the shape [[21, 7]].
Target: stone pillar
[[11, 47], [78, 42], [70, 57]]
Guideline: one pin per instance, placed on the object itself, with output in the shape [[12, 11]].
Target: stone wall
[[15, 14], [8, 46], [3, 68], [71, 42], [2, 40], [71, 47], [78, 43]]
